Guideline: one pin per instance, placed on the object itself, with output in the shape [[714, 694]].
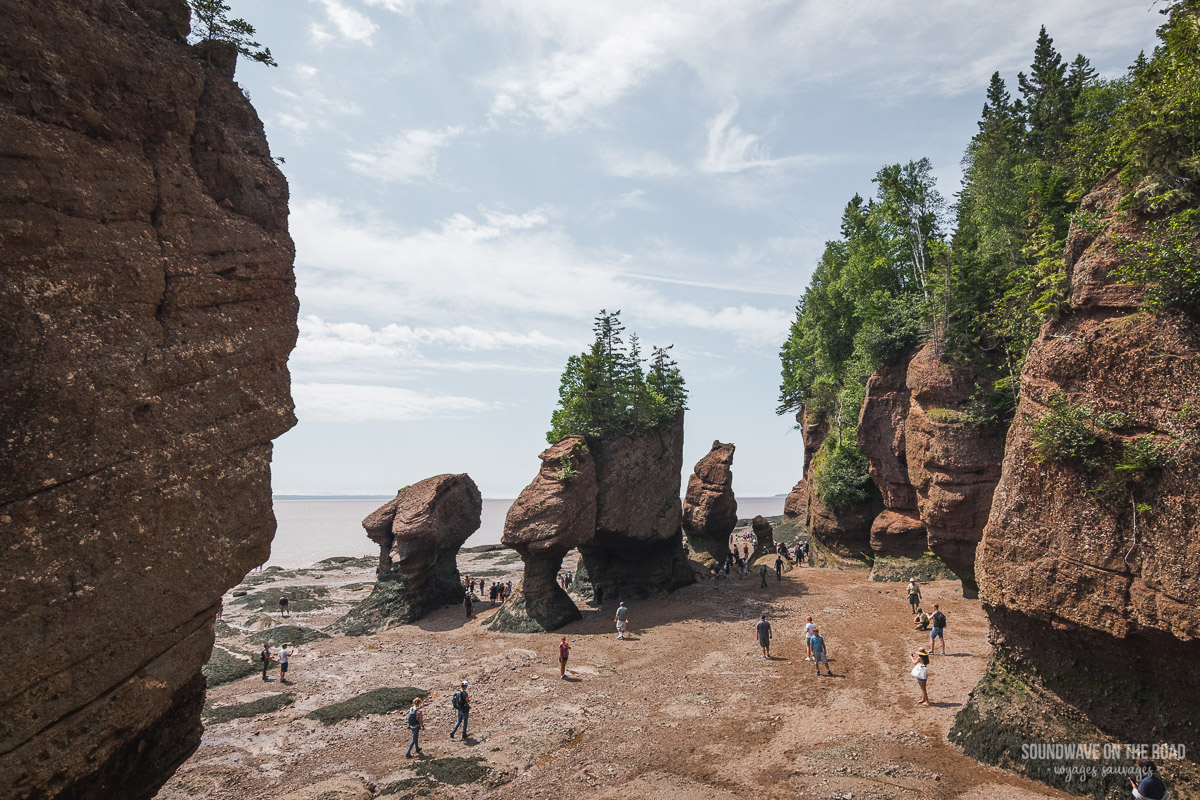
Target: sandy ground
[[685, 708]]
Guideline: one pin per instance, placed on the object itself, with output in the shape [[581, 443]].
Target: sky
[[472, 181]]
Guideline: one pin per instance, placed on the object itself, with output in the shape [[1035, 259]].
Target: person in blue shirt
[[820, 655], [1152, 786]]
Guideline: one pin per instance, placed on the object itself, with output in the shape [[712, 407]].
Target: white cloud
[[345, 402], [334, 341], [647, 164], [405, 7], [407, 157], [350, 24], [730, 149], [636, 200], [505, 266]]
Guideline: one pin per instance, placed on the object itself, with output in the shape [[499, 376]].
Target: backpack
[[939, 620], [265, 655], [457, 701], [413, 720]]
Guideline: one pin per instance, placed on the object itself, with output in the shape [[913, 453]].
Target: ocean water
[[314, 528]]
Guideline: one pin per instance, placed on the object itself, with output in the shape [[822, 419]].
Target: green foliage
[[1166, 260], [213, 24], [377, 701], [226, 666], [841, 476], [566, 471], [605, 391], [1065, 431]]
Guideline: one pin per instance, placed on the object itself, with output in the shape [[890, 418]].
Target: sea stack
[[553, 515], [638, 548], [710, 509], [419, 534]]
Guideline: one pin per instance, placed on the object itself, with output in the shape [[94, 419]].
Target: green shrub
[[1166, 262], [1065, 431], [226, 666], [263, 705], [841, 476]]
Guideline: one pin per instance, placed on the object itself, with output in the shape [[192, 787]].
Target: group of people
[[284, 655], [937, 633], [460, 701], [565, 579]]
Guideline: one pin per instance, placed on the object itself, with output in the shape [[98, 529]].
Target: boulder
[[795, 507], [638, 547], [419, 533], [764, 534], [1090, 577], [896, 533], [552, 516], [147, 312], [709, 508]]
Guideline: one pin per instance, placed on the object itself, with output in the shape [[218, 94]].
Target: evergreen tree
[[1047, 99], [213, 24]]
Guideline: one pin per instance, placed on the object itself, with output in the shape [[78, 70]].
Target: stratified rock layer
[[1096, 621], [709, 507], [795, 507], [952, 464], [147, 311], [844, 531], [638, 548], [419, 533], [553, 515]]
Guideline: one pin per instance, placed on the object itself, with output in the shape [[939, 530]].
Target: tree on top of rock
[[607, 391], [214, 25]]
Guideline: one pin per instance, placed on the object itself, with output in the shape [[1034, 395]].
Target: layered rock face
[[882, 422], [709, 508], [553, 515], [638, 548], [795, 507], [419, 533], [846, 531], [1095, 612], [952, 464], [147, 311]]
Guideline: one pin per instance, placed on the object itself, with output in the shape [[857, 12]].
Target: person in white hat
[[462, 704]]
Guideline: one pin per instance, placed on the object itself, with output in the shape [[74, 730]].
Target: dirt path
[[684, 709]]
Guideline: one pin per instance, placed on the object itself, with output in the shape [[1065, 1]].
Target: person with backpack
[[265, 655], [416, 721], [938, 619], [461, 701]]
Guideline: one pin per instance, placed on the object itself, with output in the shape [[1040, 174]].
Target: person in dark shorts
[[920, 671], [819, 651], [284, 656], [265, 656], [283, 607], [921, 621], [762, 630], [762, 577], [564, 652], [938, 631], [778, 568]]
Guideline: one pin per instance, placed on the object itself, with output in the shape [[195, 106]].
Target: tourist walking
[[938, 620], [468, 603], [265, 656], [461, 701], [221, 608], [283, 607], [820, 652], [762, 630], [416, 723], [778, 568], [622, 619], [762, 576], [809, 628], [914, 595], [564, 652], [284, 655], [920, 671]]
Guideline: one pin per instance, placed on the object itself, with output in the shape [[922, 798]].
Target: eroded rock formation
[[419, 533], [845, 531], [795, 507], [952, 464], [764, 535], [1095, 613], [709, 508], [147, 311], [638, 548], [553, 515]]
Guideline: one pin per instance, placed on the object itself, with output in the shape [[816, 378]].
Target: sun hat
[[922, 652]]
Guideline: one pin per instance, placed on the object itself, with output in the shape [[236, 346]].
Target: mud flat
[[686, 708]]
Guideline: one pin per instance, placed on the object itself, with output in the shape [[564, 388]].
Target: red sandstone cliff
[[1099, 615], [147, 311]]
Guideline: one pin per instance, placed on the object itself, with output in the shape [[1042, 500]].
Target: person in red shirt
[[564, 650]]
